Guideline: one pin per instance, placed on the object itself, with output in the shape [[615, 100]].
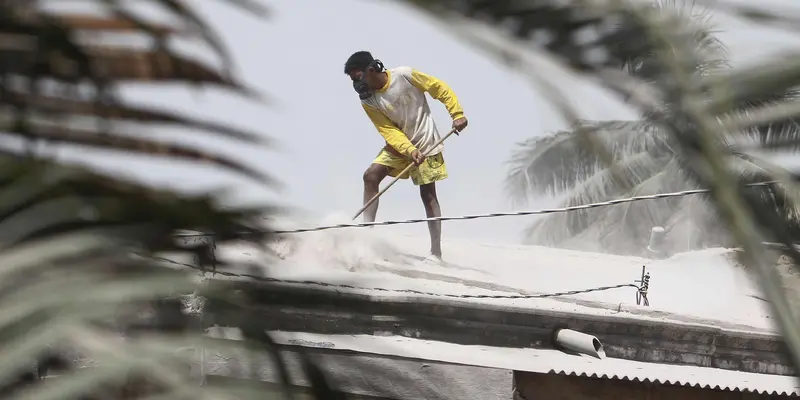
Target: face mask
[[360, 86]]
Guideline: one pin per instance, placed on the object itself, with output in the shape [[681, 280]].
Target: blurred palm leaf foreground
[[80, 280]]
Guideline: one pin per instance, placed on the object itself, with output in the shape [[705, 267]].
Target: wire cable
[[641, 290], [513, 213]]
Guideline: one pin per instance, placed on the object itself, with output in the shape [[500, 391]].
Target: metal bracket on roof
[[643, 287]]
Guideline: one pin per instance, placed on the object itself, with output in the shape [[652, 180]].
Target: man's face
[[356, 75], [360, 85], [370, 76]]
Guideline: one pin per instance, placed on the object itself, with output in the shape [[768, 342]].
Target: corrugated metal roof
[[680, 375], [746, 387], [549, 362]]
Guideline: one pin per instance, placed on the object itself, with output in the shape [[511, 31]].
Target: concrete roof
[[703, 287]]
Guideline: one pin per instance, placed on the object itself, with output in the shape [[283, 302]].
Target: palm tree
[[80, 246], [645, 161]]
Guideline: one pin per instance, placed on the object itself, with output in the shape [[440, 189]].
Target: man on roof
[[394, 100]]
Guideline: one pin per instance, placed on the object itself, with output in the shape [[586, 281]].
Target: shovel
[[397, 178]]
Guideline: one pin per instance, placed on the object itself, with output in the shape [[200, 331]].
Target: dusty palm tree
[[646, 161]]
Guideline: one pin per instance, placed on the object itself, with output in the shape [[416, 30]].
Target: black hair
[[359, 60]]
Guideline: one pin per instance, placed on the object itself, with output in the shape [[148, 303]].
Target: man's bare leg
[[432, 209], [372, 185]]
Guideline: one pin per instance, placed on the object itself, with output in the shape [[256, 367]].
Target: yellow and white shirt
[[400, 111]]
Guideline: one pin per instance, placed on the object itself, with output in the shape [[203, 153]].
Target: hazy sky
[[326, 140]]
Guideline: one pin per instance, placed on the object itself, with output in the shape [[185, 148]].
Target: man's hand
[[417, 157], [460, 124]]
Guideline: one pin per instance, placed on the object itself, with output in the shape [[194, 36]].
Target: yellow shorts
[[431, 170]]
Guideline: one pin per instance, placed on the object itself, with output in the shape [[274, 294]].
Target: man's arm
[[393, 136], [439, 91]]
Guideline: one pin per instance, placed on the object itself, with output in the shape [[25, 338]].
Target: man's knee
[[374, 174], [428, 193]]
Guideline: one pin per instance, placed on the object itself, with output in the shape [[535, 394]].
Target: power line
[[513, 213], [496, 214], [641, 290]]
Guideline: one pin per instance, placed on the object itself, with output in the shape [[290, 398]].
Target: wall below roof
[[534, 386], [624, 336], [366, 376]]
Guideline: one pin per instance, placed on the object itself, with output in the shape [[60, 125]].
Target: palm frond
[[773, 198], [625, 229], [46, 68], [61, 107], [549, 23], [68, 270], [93, 23], [696, 216], [110, 64], [556, 163], [191, 19], [620, 29], [696, 224], [603, 185], [175, 212], [754, 102], [538, 165], [782, 134], [78, 247], [642, 62], [115, 141], [250, 6]]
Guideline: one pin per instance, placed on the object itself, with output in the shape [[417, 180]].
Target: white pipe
[[656, 244], [580, 343]]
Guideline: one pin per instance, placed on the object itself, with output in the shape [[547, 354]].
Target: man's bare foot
[[433, 259]]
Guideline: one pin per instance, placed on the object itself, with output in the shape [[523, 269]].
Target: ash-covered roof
[[704, 287]]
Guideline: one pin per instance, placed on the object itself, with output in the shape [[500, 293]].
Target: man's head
[[362, 67]]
